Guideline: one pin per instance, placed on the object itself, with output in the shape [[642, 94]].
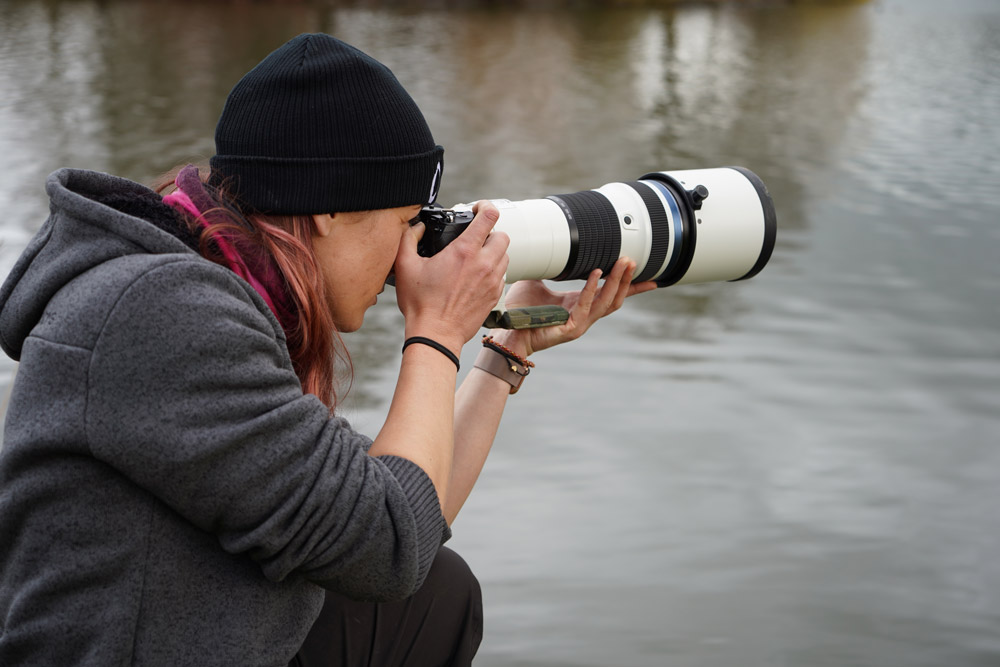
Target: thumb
[[418, 229], [411, 237]]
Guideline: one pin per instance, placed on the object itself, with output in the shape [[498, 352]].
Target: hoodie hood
[[93, 218]]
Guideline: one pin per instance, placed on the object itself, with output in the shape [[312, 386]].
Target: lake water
[[801, 469]]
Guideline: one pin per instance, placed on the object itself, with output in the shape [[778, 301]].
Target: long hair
[[279, 246]]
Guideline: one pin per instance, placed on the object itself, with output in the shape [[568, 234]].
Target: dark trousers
[[441, 625]]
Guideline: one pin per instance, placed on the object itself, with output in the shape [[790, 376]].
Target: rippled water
[[797, 470]]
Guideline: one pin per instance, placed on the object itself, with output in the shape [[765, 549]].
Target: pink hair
[[274, 253]]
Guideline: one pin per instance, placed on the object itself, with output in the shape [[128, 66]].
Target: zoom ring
[[600, 236]]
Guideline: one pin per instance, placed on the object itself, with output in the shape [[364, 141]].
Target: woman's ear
[[323, 223]]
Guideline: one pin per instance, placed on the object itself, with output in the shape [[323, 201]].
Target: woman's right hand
[[448, 296]]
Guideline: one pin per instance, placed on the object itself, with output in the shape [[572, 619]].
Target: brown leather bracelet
[[496, 364]]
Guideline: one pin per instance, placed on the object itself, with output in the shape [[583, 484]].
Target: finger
[[497, 242], [639, 288], [606, 297], [501, 286], [587, 294], [409, 240], [481, 225], [418, 229], [623, 286], [503, 263]]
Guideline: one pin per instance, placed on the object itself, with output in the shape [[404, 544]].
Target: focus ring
[[659, 231]]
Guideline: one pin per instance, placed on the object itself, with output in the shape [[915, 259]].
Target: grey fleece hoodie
[[168, 495]]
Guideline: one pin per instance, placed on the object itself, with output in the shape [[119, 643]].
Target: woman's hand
[[448, 296], [585, 307]]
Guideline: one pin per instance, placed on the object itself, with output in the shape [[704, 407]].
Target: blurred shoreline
[[515, 4]]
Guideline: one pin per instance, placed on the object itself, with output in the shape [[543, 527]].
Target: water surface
[[796, 470]]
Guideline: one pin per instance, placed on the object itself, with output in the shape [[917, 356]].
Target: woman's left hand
[[585, 307]]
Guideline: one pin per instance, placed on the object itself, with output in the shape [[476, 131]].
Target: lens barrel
[[679, 227], [670, 208]]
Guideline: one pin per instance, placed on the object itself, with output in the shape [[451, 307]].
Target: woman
[[174, 485]]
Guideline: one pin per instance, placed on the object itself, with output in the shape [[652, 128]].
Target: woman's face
[[355, 252]]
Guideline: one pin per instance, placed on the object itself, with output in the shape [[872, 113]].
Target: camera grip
[[442, 227]]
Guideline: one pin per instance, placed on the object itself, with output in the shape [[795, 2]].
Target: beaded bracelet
[[508, 353], [505, 364]]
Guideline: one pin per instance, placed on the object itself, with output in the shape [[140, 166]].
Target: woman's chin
[[351, 325], [348, 322]]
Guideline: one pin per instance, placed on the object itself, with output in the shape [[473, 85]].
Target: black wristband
[[436, 345]]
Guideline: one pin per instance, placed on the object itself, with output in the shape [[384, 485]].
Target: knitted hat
[[320, 127]]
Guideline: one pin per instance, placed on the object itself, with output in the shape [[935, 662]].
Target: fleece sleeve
[[192, 396]]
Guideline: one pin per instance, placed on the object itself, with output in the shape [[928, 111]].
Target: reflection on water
[[799, 469]]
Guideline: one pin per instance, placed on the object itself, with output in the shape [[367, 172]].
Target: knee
[[451, 575]]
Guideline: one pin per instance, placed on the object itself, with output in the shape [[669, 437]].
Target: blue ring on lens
[[675, 219]]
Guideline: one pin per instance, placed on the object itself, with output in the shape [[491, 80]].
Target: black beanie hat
[[320, 127]]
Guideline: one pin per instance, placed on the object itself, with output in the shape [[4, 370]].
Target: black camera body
[[442, 226]]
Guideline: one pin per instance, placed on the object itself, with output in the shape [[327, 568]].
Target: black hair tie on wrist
[[436, 345]]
